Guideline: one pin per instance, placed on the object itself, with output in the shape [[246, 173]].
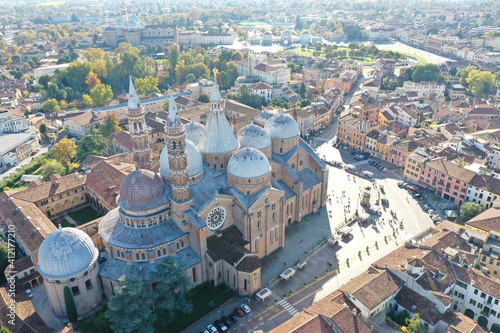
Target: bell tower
[[138, 130], [177, 156]]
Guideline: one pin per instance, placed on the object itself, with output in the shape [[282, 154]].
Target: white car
[[245, 308], [431, 211], [29, 292], [212, 329]]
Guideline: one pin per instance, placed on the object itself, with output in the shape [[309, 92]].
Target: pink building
[[448, 180]]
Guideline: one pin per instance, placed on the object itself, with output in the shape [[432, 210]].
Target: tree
[[481, 83], [87, 101], [236, 56], [131, 307], [469, 210], [146, 86], [100, 94], [50, 168], [76, 74], [111, 126], [70, 305], [5, 330], [464, 73], [302, 90], [64, 151], [126, 47], [51, 105], [4, 258], [93, 143], [453, 71], [171, 287], [352, 31], [432, 31], [92, 80], [44, 80], [427, 72], [174, 56], [414, 325], [129, 60], [43, 130], [204, 98], [166, 105]]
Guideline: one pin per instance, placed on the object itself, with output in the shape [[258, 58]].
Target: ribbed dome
[[282, 126], [66, 252], [141, 188], [218, 137], [254, 136], [248, 163], [194, 132], [194, 160]]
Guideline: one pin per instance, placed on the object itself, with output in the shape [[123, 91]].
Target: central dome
[[66, 252], [141, 188], [282, 126], [194, 132], [248, 163], [254, 136]]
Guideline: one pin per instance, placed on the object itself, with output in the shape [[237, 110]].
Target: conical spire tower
[[138, 130]]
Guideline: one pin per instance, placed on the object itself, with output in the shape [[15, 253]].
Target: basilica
[[219, 202]]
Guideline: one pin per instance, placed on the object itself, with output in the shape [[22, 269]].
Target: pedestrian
[[284, 264]]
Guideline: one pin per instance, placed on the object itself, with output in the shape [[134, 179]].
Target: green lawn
[[91, 325], [200, 297], [64, 223], [424, 61], [308, 52], [84, 215], [254, 23]]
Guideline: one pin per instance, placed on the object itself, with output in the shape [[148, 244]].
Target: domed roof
[[254, 136], [141, 188], [194, 160], [248, 163], [66, 252], [282, 126], [194, 132]]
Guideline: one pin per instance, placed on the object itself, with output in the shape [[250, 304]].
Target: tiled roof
[[450, 169], [51, 188], [484, 109], [121, 137], [488, 220], [105, 181], [460, 323], [373, 286], [416, 303], [487, 183], [32, 226]]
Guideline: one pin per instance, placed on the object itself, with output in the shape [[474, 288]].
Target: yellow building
[[384, 146], [413, 168]]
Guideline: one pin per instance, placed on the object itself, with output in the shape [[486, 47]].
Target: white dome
[[66, 252], [254, 136], [248, 163], [194, 132], [282, 126], [194, 160]]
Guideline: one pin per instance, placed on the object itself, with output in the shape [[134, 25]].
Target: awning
[[422, 184], [414, 188], [364, 216]]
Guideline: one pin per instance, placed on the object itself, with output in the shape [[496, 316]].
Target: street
[[43, 149]]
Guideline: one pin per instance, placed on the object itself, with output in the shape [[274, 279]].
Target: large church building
[[219, 202]]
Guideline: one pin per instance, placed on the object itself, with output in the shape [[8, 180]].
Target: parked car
[[239, 312], [220, 326], [427, 206], [226, 321], [212, 329], [29, 292], [34, 153], [245, 308], [401, 183], [233, 317], [431, 211], [205, 331]]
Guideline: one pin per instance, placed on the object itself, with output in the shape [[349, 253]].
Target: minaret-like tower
[[124, 13], [177, 157], [138, 130]]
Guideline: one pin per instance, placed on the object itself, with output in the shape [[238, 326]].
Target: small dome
[[282, 126], [254, 136], [141, 188], [194, 160], [248, 163], [66, 252], [194, 132]]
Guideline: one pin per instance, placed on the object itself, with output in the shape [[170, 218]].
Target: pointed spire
[[133, 98], [173, 118], [215, 91]]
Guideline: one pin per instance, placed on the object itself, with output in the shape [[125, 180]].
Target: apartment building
[[424, 89], [413, 167], [484, 190], [448, 180]]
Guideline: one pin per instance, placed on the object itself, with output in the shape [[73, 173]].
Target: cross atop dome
[[133, 98]]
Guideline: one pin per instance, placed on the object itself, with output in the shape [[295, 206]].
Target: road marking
[[288, 307]]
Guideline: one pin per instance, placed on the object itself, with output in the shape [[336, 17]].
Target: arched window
[[135, 127], [143, 256], [300, 163], [164, 251], [159, 253], [293, 165], [174, 145]]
